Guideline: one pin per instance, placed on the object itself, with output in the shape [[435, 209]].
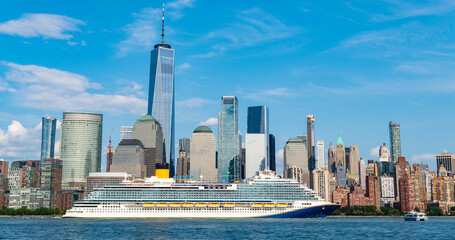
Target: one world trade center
[[161, 95]]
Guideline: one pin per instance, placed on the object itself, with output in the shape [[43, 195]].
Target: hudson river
[[263, 229]]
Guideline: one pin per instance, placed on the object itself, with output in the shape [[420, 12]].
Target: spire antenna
[[162, 27]]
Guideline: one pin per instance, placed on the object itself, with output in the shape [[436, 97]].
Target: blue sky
[[355, 65]]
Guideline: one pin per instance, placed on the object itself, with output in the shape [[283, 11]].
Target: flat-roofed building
[[100, 179]]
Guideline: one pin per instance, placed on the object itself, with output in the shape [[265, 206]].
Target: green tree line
[[25, 211]]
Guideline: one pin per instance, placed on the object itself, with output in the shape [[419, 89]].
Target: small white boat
[[415, 216]]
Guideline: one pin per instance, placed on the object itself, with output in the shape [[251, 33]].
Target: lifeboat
[[281, 205], [229, 205], [269, 205], [161, 205], [187, 205], [214, 205], [256, 205], [175, 205], [149, 205], [201, 205]]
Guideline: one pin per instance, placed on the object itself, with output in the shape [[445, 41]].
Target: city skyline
[[204, 68]]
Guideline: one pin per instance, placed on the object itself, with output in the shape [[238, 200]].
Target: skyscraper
[[109, 153], [183, 160], [125, 132], [332, 159], [161, 95], [148, 130], [203, 155], [383, 153], [256, 141], [395, 141], [311, 142], [228, 141], [272, 152], [80, 145], [340, 153], [48, 137], [295, 159], [447, 160], [130, 157], [320, 156], [362, 173], [354, 163]]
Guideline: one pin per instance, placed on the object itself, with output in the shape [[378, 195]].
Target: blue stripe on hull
[[312, 212]]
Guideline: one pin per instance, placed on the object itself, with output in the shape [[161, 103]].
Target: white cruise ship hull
[[321, 209]]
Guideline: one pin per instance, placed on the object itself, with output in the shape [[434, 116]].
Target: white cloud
[[404, 9], [177, 7], [193, 102], [374, 152], [424, 157], [20, 142], [182, 67], [52, 89], [264, 95], [209, 122], [47, 26], [252, 27]]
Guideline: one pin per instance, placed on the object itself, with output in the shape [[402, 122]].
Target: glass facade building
[[395, 141], [80, 145], [258, 119], [125, 132], [48, 137], [229, 167], [257, 140], [161, 97]]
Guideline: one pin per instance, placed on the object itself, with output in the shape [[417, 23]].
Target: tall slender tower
[[340, 152], [229, 167], [48, 137], [161, 95], [311, 142], [395, 141], [257, 141], [332, 161]]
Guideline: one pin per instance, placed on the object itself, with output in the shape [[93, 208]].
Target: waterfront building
[[31, 198], [148, 131], [356, 196], [383, 153], [374, 191], [387, 189], [258, 119], [4, 167], [161, 100], [332, 159], [427, 180], [14, 178], [362, 173], [341, 176], [23, 163], [29, 171], [80, 145], [126, 132], [130, 157], [419, 191], [340, 196], [395, 141], [354, 163], [229, 144], [272, 157], [48, 128], [51, 174], [311, 142], [406, 193], [321, 183], [203, 155], [320, 156], [447, 160], [340, 153], [401, 169], [100, 179]]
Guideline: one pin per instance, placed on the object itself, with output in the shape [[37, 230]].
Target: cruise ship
[[263, 196]]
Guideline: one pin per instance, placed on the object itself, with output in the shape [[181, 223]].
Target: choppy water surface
[[328, 228]]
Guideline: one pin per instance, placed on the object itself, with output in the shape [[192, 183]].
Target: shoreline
[[33, 216]]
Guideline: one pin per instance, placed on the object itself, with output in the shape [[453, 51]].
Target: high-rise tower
[[48, 137], [257, 141], [340, 152], [395, 140], [161, 95], [311, 142], [229, 167]]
